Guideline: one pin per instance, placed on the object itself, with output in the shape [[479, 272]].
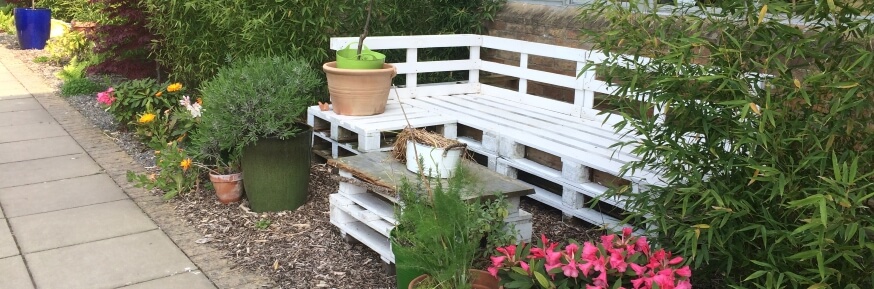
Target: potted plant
[[624, 261], [224, 169], [428, 152], [33, 26], [439, 234], [359, 83], [254, 107]]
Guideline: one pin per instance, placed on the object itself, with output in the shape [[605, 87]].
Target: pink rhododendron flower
[[589, 251], [617, 261], [498, 261], [570, 269], [106, 97], [684, 272], [525, 266], [609, 259]]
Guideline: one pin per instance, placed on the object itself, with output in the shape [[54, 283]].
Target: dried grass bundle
[[423, 137]]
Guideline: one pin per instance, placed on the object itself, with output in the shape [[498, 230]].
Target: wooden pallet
[[373, 133]]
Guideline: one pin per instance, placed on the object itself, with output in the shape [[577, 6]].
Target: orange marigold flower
[[146, 118], [174, 87], [200, 101], [158, 94], [185, 164]]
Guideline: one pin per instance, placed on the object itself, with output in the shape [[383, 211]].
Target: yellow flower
[[147, 118], [174, 87], [185, 164], [200, 101], [158, 94]]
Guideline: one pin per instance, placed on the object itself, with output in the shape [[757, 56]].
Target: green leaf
[[755, 275], [804, 255], [541, 280]]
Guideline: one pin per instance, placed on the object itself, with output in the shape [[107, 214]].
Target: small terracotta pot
[[85, 27], [480, 280], [228, 188], [359, 91]]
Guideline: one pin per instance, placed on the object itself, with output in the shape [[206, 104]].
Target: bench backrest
[[583, 83]]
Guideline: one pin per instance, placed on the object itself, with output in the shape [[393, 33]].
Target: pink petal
[[675, 261], [626, 232], [525, 266], [684, 272], [493, 271], [685, 284], [498, 261], [589, 251], [639, 270]]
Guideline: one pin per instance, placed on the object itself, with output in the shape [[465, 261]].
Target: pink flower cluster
[[593, 266], [106, 97]]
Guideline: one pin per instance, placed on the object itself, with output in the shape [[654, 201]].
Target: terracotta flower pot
[[480, 280], [228, 188], [85, 27], [359, 91]]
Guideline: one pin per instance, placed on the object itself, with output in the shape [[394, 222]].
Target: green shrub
[[7, 21], [74, 70], [71, 45], [199, 36], [766, 144], [257, 97], [79, 86]]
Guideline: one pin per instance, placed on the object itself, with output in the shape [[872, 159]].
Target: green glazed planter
[[277, 172]]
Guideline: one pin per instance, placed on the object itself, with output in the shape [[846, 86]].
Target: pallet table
[[367, 215]]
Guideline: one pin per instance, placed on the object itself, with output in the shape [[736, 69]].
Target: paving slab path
[[68, 219]]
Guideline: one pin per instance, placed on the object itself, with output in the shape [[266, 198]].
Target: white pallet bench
[[561, 146]]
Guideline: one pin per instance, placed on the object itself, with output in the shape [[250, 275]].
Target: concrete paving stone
[[48, 169], [14, 273], [14, 93], [108, 263], [7, 243], [30, 131], [191, 280], [59, 195], [25, 117], [2, 215], [19, 104], [79, 225], [38, 149]]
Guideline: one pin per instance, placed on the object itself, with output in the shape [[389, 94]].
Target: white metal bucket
[[433, 162]]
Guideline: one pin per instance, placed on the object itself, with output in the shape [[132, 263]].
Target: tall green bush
[[766, 144], [200, 36]]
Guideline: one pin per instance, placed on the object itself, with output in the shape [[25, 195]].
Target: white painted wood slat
[[415, 41]]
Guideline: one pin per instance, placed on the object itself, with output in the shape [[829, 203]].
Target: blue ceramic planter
[[33, 26]]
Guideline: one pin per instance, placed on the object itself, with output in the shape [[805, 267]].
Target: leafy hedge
[[766, 147], [199, 36]]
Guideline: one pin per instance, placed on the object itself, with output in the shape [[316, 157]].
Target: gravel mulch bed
[[298, 249]]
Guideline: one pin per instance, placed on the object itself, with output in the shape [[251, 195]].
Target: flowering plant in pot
[[624, 261]]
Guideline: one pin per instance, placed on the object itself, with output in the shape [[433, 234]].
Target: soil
[[296, 249]]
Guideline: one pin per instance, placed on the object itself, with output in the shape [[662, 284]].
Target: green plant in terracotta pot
[[440, 235], [255, 107], [224, 169]]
